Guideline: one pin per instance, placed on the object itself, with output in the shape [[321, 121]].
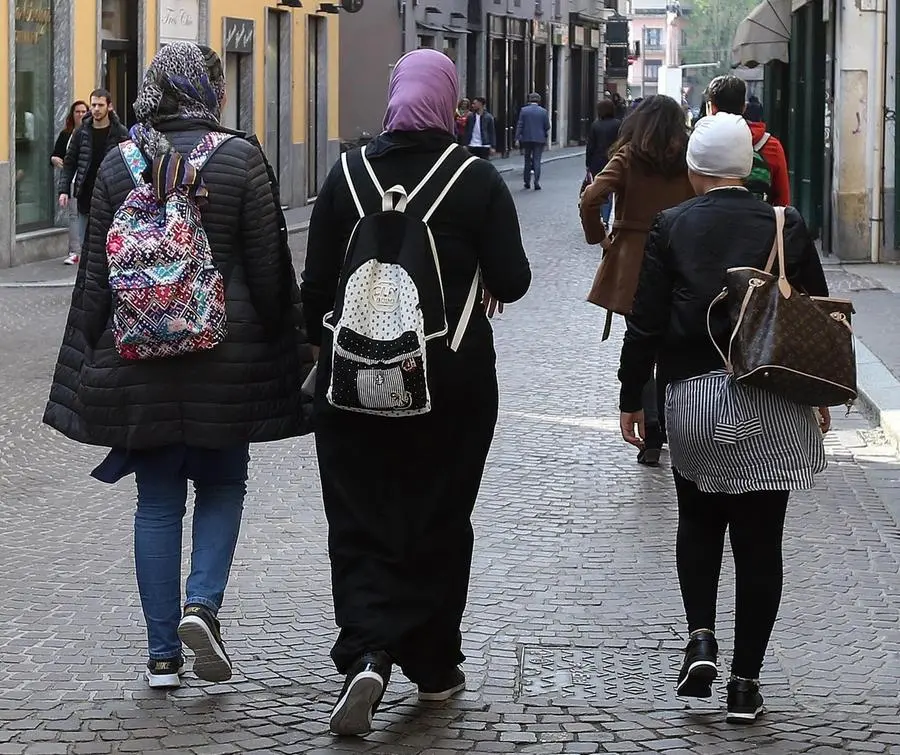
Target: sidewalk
[[875, 291], [53, 274]]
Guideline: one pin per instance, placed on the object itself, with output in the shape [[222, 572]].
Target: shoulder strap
[[206, 148], [777, 252], [762, 142], [134, 161], [351, 186]]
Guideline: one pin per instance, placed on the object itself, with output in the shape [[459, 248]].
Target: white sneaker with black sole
[[363, 689], [199, 630]]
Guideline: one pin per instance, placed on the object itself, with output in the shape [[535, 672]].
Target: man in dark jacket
[[603, 134], [190, 417], [481, 137], [532, 132], [100, 132]]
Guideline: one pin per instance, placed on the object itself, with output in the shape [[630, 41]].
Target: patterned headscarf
[[184, 82]]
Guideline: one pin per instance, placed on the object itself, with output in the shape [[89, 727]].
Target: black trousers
[[755, 524], [399, 495]]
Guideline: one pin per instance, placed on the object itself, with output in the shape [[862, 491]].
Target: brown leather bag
[[797, 346]]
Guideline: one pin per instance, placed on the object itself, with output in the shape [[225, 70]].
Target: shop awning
[[764, 35]]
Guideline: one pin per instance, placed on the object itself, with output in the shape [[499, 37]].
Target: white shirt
[[476, 132]]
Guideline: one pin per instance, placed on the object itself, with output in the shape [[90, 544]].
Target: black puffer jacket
[[245, 389], [688, 251], [81, 150]]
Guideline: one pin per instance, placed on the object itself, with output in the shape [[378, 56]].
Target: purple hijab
[[423, 94]]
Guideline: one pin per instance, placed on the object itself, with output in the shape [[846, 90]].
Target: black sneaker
[[199, 630], [164, 673], [537, 187], [443, 688], [363, 690], [745, 704], [527, 186], [699, 670]]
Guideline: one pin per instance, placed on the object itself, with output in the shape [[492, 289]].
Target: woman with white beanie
[[737, 452]]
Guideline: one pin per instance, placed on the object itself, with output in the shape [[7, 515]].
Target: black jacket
[[245, 389], [477, 224], [81, 150], [488, 129], [602, 136], [688, 251]]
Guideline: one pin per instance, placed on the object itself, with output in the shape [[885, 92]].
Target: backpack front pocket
[[379, 377]]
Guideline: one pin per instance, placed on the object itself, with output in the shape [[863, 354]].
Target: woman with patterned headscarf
[[399, 492], [191, 417]]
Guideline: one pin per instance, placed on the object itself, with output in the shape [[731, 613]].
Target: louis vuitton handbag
[[797, 346]]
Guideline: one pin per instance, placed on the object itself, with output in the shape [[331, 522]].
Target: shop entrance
[[119, 50]]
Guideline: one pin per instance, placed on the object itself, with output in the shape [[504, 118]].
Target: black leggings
[[755, 523]]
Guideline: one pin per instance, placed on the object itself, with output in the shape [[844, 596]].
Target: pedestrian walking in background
[[191, 417], [463, 113], [77, 111], [737, 451], [532, 134], [481, 132], [603, 135], [621, 107], [100, 132], [399, 491], [769, 179], [648, 174]]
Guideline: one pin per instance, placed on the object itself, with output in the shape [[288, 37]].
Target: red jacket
[[773, 153]]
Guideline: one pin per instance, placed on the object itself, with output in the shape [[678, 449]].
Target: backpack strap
[[134, 161], [762, 142], [211, 141]]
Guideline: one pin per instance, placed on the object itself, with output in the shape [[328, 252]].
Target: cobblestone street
[[574, 628]]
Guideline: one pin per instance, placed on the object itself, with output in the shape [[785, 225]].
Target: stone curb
[[879, 393]]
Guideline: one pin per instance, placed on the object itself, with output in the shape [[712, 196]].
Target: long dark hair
[[656, 135], [70, 118]]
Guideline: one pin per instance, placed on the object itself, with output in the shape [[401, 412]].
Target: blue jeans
[[161, 505], [533, 153], [605, 210]]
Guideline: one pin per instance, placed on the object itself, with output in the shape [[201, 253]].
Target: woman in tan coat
[[647, 174]]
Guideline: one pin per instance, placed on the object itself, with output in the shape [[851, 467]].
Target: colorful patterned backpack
[[168, 294]]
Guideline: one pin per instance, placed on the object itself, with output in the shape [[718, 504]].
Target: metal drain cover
[[630, 677]]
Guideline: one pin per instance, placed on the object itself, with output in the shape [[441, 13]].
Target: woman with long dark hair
[[648, 173], [77, 111]]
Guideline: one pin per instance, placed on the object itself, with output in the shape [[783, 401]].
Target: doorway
[[119, 55], [316, 107], [278, 91]]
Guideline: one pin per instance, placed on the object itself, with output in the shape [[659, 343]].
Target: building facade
[[503, 50], [660, 37], [281, 67]]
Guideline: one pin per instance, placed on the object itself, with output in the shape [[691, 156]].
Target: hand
[[57, 162], [628, 421], [490, 304], [824, 419], [64, 200], [606, 243]]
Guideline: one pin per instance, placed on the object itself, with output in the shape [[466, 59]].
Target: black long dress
[[399, 492]]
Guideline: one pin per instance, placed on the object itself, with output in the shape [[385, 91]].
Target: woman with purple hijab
[[399, 492]]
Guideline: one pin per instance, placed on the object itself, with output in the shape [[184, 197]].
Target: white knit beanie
[[721, 146]]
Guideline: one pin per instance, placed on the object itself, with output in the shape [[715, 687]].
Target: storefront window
[[35, 129]]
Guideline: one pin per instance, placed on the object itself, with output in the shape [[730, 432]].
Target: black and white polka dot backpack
[[390, 298]]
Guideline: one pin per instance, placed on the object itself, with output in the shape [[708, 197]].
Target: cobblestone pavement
[[574, 626]]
